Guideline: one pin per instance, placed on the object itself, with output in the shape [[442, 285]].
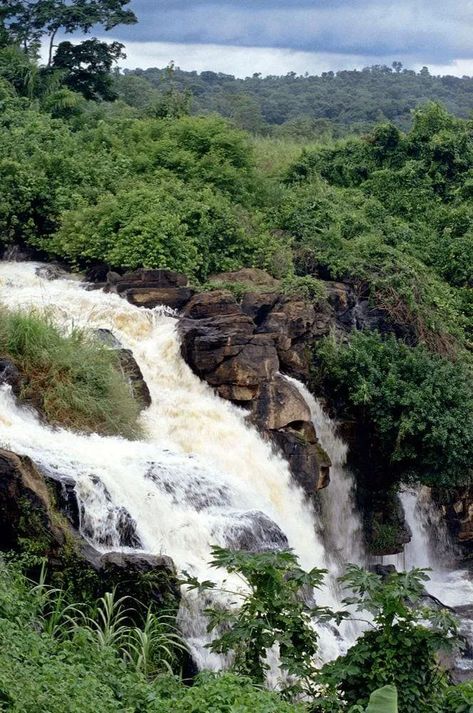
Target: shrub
[[417, 405], [170, 224], [54, 658], [73, 379], [401, 649], [272, 611]]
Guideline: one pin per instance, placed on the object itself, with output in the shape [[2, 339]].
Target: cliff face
[[241, 347]]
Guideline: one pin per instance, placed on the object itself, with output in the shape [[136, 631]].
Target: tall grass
[[274, 155], [72, 379]]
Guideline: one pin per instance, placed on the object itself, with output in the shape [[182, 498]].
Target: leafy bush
[[417, 406], [173, 225], [74, 380], [400, 650], [273, 611], [459, 699], [54, 658]]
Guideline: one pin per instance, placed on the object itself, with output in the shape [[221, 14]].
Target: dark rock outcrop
[[10, 375], [26, 508], [31, 519], [151, 288], [456, 506], [129, 366], [237, 349], [50, 272], [220, 344]]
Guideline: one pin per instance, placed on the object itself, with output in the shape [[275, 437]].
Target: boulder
[[151, 288], [280, 404], [149, 579], [220, 345], [151, 297], [143, 278], [218, 303], [129, 365], [10, 375], [309, 463]]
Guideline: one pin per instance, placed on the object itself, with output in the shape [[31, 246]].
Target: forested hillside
[[331, 104]]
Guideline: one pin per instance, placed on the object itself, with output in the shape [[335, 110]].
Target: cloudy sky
[[278, 36]]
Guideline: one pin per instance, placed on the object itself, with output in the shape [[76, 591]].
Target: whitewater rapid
[[200, 476]]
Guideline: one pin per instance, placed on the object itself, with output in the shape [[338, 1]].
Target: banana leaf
[[384, 700]]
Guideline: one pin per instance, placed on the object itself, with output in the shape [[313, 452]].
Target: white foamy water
[[200, 476], [341, 520]]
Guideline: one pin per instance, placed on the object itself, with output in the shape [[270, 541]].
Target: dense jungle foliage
[[112, 654]]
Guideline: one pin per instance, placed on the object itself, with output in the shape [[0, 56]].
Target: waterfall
[[200, 476], [451, 585], [342, 528]]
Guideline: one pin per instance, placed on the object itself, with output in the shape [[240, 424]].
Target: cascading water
[[427, 548], [341, 525], [341, 522], [201, 476]]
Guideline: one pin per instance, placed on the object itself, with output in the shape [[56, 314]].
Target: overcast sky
[[278, 36]]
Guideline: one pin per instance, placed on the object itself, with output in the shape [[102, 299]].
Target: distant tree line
[[305, 106]]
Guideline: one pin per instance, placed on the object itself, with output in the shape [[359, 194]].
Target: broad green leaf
[[383, 700]]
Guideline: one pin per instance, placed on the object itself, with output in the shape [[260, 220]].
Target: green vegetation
[[140, 182], [398, 651], [273, 611], [401, 649], [74, 380], [58, 656], [115, 655], [304, 108], [417, 405]]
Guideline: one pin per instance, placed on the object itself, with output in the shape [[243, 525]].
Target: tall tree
[[86, 66]]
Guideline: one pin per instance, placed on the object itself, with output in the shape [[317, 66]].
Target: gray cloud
[[435, 31]]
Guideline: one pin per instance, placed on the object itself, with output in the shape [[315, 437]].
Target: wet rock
[[30, 518], [280, 404], [26, 507], [134, 375], [10, 375], [218, 303], [129, 365], [456, 506], [50, 272], [97, 273], [220, 345], [19, 253], [151, 297], [144, 278], [151, 288], [149, 579], [254, 532], [236, 349], [309, 463]]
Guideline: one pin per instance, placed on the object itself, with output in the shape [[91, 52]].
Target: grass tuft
[[73, 380]]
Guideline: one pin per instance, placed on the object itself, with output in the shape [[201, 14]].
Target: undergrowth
[[72, 379]]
